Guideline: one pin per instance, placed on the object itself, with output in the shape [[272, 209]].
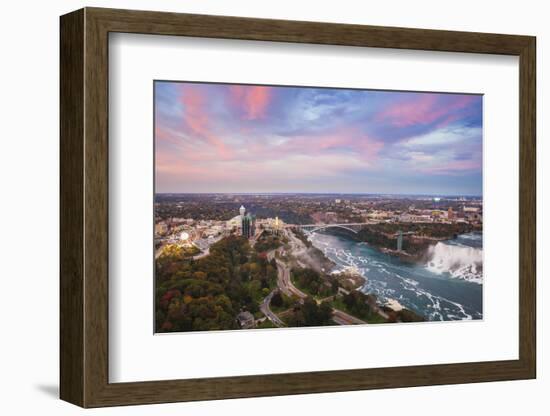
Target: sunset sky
[[238, 138]]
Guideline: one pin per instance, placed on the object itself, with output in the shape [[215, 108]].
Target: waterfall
[[460, 261]]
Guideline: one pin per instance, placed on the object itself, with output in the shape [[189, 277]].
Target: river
[[447, 286]]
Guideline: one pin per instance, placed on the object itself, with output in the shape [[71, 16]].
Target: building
[[379, 215], [475, 217], [331, 217], [161, 228], [450, 213], [234, 223], [472, 214], [399, 240], [247, 223], [246, 320], [277, 226], [248, 227], [405, 217], [272, 225]]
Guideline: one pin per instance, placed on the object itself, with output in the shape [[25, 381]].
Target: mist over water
[[449, 286], [460, 258]]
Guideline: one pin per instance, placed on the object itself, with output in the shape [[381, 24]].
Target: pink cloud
[[312, 158], [423, 110], [164, 135], [197, 119], [347, 140], [186, 166], [253, 101], [185, 170]]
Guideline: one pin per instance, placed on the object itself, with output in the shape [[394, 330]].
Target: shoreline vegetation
[[417, 237]]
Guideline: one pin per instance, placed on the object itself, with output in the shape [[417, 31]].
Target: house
[[246, 320]]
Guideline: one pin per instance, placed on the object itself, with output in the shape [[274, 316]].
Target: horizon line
[[320, 193]]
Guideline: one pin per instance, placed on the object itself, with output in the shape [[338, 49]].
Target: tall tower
[[246, 226], [277, 226], [399, 240], [242, 210]]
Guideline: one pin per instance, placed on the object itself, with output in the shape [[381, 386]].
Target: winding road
[[342, 318], [284, 282], [285, 285], [266, 310]]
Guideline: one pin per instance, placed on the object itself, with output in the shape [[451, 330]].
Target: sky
[[215, 138]]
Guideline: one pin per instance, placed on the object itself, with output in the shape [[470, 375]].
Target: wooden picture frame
[[84, 207]]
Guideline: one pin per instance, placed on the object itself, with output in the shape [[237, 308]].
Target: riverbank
[[411, 241], [306, 254], [341, 290], [416, 239]]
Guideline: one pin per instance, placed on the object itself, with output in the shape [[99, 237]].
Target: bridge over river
[[354, 227]]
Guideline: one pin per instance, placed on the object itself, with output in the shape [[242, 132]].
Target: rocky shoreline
[[382, 237]]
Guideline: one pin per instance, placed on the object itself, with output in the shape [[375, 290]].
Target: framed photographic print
[[257, 207]]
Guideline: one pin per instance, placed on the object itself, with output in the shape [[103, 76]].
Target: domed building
[[237, 222]]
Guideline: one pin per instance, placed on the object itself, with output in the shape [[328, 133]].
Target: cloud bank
[[240, 138]]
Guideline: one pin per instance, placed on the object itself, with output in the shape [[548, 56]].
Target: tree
[[325, 313], [311, 314], [199, 275], [407, 315], [277, 300], [356, 304], [207, 293]]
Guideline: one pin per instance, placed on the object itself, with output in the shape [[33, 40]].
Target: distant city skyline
[[321, 193], [225, 138]]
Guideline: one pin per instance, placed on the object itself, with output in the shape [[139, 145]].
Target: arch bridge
[[353, 227]]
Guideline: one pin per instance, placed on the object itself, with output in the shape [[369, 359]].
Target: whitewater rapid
[[447, 287], [458, 260]]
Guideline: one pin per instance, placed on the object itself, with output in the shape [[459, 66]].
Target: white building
[[237, 221]]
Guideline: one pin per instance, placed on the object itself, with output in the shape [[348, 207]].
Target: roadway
[[343, 318], [284, 282], [286, 286], [266, 310]]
